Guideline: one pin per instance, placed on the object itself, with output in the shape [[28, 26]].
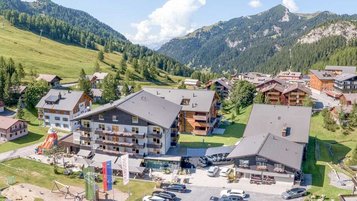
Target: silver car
[[213, 171]]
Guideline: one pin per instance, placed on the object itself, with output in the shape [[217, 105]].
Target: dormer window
[[185, 101], [135, 119]]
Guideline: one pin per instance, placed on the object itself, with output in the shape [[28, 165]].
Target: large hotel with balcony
[[140, 124], [199, 113]]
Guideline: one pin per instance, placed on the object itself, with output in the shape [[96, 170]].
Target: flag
[[125, 168], [107, 176]]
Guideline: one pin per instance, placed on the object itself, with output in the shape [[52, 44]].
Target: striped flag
[[107, 176]]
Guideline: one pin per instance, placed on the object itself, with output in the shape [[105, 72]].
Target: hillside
[[248, 43], [68, 26], [74, 17], [49, 56]]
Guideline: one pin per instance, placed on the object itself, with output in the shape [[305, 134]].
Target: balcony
[[86, 129], [85, 138], [155, 135], [154, 146], [120, 134], [200, 117]]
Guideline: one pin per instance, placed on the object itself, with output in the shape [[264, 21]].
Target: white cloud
[[291, 5], [171, 20], [255, 3]]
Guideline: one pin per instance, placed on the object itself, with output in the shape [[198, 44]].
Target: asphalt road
[[205, 193], [22, 152]]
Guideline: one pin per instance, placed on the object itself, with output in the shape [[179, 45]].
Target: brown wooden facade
[[321, 85]]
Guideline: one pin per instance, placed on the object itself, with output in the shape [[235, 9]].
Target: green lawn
[[319, 157], [36, 133], [233, 132], [42, 175]]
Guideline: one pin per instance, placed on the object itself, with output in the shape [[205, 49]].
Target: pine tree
[[20, 71], [20, 112], [101, 56], [259, 98], [84, 82], [109, 89]]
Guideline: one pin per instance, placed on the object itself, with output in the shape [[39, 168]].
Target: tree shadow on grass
[[310, 165], [31, 137], [200, 144]]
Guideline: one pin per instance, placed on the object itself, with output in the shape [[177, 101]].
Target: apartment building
[[140, 124], [199, 108], [222, 86], [58, 108], [285, 93], [346, 83], [11, 129], [321, 80]]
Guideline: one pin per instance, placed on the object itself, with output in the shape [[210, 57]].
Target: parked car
[[231, 198], [175, 187], [154, 198], [233, 192], [164, 194], [225, 172], [212, 171], [294, 193]]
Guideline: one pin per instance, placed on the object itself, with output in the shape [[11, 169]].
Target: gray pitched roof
[[345, 76], [273, 118], [97, 92], [99, 75], [344, 69], [223, 81], [47, 77], [323, 75], [271, 147], [296, 86], [144, 105], [67, 102], [199, 100]]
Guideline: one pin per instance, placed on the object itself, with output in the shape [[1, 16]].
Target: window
[[260, 159], [135, 119], [58, 125], [101, 117], [57, 118], [135, 129], [115, 118], [243, 163], [86, 124], [47, 117], [156, 130], [261, 164], [101, 127], [64, 119], [65, 126], [47, 123]]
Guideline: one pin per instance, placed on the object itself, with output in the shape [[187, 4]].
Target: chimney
[[111, 102], [59, 95], [283, 133]]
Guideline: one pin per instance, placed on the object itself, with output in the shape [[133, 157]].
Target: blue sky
[[153, 22]]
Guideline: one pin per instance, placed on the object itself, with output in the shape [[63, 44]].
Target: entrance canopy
[[134, 165], [98, 159], [84, 153]]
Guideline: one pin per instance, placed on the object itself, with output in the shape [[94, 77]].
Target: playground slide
[[49, 142]]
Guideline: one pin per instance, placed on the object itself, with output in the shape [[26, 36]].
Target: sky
[[154, 22]]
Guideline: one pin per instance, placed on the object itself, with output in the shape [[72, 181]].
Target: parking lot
[[205, 193]]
